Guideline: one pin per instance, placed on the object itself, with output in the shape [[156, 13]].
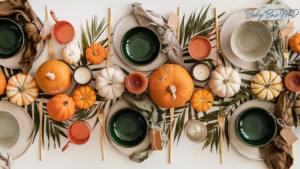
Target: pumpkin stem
[[21, 89], [82, 97], [50, 76], [172, 90], [71, 54], [95, 53], [201, 100], [66, 102], [110, 82], [225, 81]]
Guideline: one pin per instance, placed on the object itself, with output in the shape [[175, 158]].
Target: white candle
[[201, 72], [82, 75]]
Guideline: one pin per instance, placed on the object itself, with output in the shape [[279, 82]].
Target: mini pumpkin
[[61, 107], [110, 82], [224, 81], [297, 105], [96, 53], [2, 82], [71, 54], [22, 89], [84, 97], [53, 77], [200, 98], [170, 86], [295, 43], [266, 85]]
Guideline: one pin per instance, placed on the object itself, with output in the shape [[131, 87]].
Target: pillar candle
[[292, 81], [82, 75], [136, 82], [201, 72]]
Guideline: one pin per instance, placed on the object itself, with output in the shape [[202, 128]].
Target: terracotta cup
[[200, 47], [78, 133], [63, 32]]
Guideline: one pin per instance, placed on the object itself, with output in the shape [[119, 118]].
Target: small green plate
[[128, 127], [256, 127], [12, 38], [140, 46]]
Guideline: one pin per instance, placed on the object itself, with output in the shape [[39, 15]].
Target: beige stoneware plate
[[121, 104], [231, 23], [26, 126], [246, 151], [127, 22]]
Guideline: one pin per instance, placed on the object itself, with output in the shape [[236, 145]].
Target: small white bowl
[[9, 130], [195, 130], [251, 41]]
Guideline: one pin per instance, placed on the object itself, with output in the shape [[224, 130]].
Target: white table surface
[[185, 154]]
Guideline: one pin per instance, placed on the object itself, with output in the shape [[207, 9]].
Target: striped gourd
[[266, 85], [297, 105]]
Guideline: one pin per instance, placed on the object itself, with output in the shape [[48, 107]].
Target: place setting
[[166, 86]]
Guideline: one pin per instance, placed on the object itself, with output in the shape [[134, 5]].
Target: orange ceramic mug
[[63, 32], [200, 47], [78, 133]]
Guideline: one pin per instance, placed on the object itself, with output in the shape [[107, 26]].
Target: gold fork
[[100, 115], [221, 122]]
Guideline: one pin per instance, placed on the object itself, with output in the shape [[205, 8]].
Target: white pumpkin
[[224, 81], [71, 53], [110, 83], [22, 89], [266, 85], [297, 105]]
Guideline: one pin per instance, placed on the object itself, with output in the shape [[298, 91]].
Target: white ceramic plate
[[232, 22], [26, 126], [121, 104], [127, 22], [246, 151]]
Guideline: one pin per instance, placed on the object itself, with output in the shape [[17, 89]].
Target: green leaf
[[52, 135], [248, 91], [248, 82], [200, 26], [226, 131], [252, 73], [57, 136], [124, 71], [220, 55], [181, 30]]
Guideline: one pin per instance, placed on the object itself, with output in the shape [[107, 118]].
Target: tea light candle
[[136, 82], [83, 75], [201, 72], [292, 81]]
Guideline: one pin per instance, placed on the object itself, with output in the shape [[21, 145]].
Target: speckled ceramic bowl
[[9, 130]]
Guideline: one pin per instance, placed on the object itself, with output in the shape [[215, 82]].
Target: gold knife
[[51, 51], [219, 62], [41, 127], [286, 54], [100, 115]]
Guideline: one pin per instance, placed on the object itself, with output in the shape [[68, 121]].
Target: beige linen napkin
[[5, 160]]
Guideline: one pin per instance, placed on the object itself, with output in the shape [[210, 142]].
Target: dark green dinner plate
[[140, 46], [128, 127], [256, 127], [12, 38]]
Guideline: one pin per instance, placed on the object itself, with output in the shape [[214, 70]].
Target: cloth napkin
[[278, 154], [151, 112], [274, 58], [165, 33], [5, 160], [21, 11]]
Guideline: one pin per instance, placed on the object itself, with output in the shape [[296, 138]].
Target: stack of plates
[[247, 151], [126, 23], [121, 104], [232, 22]]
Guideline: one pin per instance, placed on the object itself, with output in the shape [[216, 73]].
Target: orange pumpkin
[[2, 82], [96, 53], [53, 77], [200, 98], [170, 86], [295, 43], [84, 97], [61, 107]]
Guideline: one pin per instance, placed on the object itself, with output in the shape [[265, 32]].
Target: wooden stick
[[217, 37], [178, 28], [41, 131], [102, 140], [221, 144], [108, 39], [47, 15], [171, 134]]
